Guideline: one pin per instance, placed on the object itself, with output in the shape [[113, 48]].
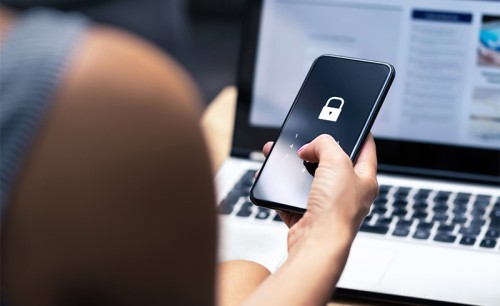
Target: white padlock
[[329, 113]]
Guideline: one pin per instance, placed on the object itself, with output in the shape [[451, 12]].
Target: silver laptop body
[[433, 233]]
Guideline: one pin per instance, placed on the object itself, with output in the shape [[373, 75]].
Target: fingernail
[[302, 148]]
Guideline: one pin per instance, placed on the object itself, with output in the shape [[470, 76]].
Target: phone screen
[[341, 97]]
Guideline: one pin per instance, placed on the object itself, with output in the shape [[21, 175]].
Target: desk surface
[[217, 124]]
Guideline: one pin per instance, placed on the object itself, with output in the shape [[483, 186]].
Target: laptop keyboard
[[461, 219], [423, 214], [237, 201]]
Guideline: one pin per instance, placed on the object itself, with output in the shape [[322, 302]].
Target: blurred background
[[215, 27], [202, 34]]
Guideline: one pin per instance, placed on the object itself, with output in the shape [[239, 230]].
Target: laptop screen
[[445, 100]]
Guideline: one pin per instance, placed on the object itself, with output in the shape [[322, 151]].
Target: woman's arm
[[319, 241], [237, 279]]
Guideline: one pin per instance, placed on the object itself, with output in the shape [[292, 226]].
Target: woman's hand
[[340, 196], [319, 241]]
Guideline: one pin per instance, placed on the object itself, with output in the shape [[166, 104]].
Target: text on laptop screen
[[446, 54]]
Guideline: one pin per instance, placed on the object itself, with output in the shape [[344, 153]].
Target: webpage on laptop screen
[[446, 54]]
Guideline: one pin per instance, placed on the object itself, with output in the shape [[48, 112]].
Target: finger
[[267, 147], [366, 168], [322, 149], [366, 165]]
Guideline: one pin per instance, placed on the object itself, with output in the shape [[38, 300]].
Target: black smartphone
[[340, 96]]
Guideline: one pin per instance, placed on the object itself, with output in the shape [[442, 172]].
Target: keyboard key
[[446, 228], [495, 223], [458, 201], [483, 198], [245, 210], [379, 210], [368, 218], [401, 232], [246, 180], [421, 234], [400, 203], [420, 197], [242, 186], [425, 225], [419, 215], [462, 198], [400, 197], [459, 219], [440, 217], [384, 220], [402, 191], [380, 201], [459, 210], [445, 237], [468, 240], [495, 217], [420, 205], [383, 189], [234, 195], [249, 175], [477, 222], [263, 213], [399, 212], [488, 243], [460, 204], [463, 195], [244, 213], [225, 208], [440, 208], [404, 223], [442, 197], [422, 194], [482, 204], [479, 212], [376, 229], [492, 233], [470, 231], [277, 218]]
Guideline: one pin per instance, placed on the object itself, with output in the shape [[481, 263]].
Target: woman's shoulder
[[124, 67]]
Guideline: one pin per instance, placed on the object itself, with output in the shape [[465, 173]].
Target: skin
[[319, 240], [237, 280], [340, 198], [97, 212]]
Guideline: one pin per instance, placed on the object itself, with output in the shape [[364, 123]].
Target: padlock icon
[[329, 113]]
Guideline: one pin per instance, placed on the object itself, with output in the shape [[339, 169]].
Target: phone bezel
[[359, 142]]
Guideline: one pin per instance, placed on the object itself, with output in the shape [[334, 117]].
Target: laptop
[[432, 235]]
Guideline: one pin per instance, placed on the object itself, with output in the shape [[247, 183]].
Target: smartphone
[[340, 96]]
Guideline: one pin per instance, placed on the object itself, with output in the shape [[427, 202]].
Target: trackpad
[[367, 265]]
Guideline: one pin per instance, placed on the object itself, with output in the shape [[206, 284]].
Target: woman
[[97, 189]]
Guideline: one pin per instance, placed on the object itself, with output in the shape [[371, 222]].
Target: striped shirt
[[33, 56]]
